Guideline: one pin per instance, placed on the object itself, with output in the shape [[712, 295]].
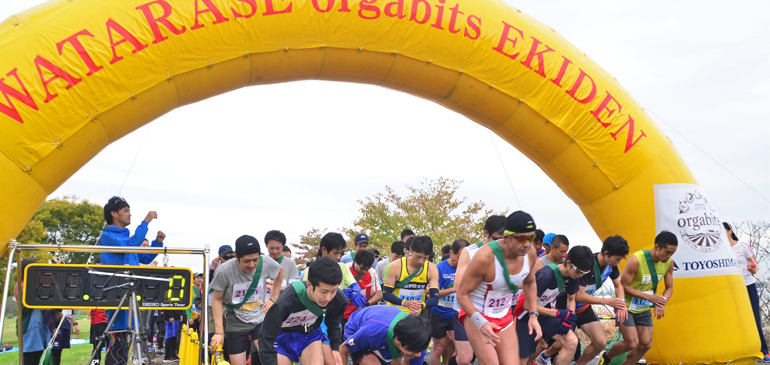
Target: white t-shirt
[[743, 252]]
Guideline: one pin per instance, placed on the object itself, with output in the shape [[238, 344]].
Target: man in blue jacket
[[117, 213]]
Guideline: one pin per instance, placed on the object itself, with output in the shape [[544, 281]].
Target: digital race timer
[[83, 286]]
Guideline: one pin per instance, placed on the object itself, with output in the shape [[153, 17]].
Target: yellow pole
[[219, 359], [192, 350], [183, 345]]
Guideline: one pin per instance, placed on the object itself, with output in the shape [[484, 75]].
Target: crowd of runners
[[517, 296]]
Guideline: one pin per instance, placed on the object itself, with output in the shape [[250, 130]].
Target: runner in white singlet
[[488, 289]]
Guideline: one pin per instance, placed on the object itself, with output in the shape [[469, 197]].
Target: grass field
[[74, 356]]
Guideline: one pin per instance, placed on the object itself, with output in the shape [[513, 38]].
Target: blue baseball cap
[[361, 238], [225, 249], [548, 238]]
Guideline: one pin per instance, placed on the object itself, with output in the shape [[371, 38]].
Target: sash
[[252, 287], [651, 269], [559, 278], [501, 259], [391, 336], [359, 276], [402, 283], [597, 274], [301, 290]]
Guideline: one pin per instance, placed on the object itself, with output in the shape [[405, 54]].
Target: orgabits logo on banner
[[699, 227], [686, 211]]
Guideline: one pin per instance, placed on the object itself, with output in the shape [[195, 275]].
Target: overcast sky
[[299, 155]]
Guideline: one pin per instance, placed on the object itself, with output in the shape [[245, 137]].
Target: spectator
[[225, 253], [117, 213], [173, 320], [747, 262], [68, 325], [195, 322], [98, 326], [35, 334]]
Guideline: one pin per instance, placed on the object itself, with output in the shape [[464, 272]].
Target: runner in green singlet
[[645, 269]]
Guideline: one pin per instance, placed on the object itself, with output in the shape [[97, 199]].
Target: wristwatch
[[536, 313]]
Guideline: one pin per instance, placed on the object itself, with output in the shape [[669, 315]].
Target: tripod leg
[[134, 333], [109, 325], [140, 335]]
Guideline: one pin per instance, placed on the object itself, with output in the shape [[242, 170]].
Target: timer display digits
[[102, 286]]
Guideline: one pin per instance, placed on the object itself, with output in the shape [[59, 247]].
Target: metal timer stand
[[138, 337]]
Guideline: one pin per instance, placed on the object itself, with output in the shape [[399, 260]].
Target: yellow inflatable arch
[[76, 75]]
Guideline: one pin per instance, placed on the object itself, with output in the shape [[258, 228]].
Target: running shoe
[[541, 361], [767, 358], [601, 359]]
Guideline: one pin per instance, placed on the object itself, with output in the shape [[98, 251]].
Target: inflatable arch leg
[[76, 76]]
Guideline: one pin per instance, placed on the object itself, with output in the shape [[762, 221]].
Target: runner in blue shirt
[[377, 335], [442, 315]]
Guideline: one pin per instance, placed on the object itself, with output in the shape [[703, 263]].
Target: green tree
[[33, 233], [307, 248], [70, 221], [431, 209]]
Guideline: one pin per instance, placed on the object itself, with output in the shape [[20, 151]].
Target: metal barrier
[[17, 249]]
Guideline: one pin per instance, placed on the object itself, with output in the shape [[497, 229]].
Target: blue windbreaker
[[114, 236]]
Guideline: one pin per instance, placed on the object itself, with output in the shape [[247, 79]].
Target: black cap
[[518, 222], [246, 245]]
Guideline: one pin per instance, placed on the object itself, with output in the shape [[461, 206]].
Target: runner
[[332, 244], [362, 243], [442, 315], [492, 227], [240, 287], [405, 234], [557, 324], [488, 289], [547, 242], [644, 270], [411, 277], [539, 235], [292, 329], [614, 249], [275, 241], [396, 253], [381, 334], [559, 247], [371, 291]]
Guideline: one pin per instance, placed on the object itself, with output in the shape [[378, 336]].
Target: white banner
[[686, 211]]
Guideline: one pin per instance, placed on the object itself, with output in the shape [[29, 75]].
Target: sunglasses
[[580, 271], [523, 238], [227, 257]]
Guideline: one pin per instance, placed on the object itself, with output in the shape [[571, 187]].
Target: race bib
[[415, 294], [548, 298], [639, 303], [447, 301], [304, 318], [497, 303], [239, 292]]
